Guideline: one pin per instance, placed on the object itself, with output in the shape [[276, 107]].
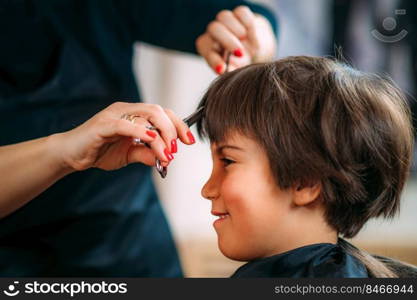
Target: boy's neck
[[306, 229], [295, 243]]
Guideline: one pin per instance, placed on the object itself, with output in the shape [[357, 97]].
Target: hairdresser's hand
[[106, 140], [247, 36]]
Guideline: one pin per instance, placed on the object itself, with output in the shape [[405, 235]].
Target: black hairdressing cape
[[318, 260], [61, 61]]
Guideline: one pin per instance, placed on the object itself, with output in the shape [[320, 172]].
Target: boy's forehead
[[234, 138], [235, 141]]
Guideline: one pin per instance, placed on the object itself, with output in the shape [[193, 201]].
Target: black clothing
[[318, 260]]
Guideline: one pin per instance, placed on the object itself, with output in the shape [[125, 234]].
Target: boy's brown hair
[[320, 121]]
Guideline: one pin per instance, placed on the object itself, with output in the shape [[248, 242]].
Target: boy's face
[[255, 211]]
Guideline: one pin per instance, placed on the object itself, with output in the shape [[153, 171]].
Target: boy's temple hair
[[320, 121]]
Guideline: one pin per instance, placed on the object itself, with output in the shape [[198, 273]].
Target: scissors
[[190, 121]]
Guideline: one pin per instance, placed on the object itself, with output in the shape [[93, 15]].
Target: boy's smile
[[221, 215]]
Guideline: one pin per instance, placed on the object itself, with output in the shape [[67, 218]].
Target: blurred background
[[373, 35]]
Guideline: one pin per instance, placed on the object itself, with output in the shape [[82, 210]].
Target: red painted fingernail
[[174, 146], [238, 53], [219, 69], [151, 133], [190, 137], [168, 154]]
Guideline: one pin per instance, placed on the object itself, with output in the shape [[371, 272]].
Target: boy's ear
[[304, 194]]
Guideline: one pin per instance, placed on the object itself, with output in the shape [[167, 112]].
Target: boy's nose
[[209, 190]]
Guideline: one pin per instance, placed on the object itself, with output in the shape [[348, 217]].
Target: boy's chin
[[235, 253]]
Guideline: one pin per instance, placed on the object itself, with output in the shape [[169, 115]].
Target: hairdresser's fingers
[[215, 46], [247, 18], [232, 23], [141, 154], [204, 44], [183, 130], [158, 146], [261, 42], [121, 127], [220, 33], [156, 115], [210, 50], [237, 62], [217, 59], [136, 129], [216, 62]]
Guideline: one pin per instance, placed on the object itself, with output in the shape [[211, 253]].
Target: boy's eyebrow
[[221, 148]]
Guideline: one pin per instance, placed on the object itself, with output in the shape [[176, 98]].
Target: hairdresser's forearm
[[27, 169]]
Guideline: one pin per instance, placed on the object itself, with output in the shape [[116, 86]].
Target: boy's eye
[[226, 161]]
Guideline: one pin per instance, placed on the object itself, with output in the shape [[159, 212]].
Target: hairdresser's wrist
[[57, 153]]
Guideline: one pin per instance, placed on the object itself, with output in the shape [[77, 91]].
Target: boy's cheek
[[238, 183], [235, 193]]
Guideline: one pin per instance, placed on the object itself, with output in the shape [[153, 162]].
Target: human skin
[[259, 219]]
